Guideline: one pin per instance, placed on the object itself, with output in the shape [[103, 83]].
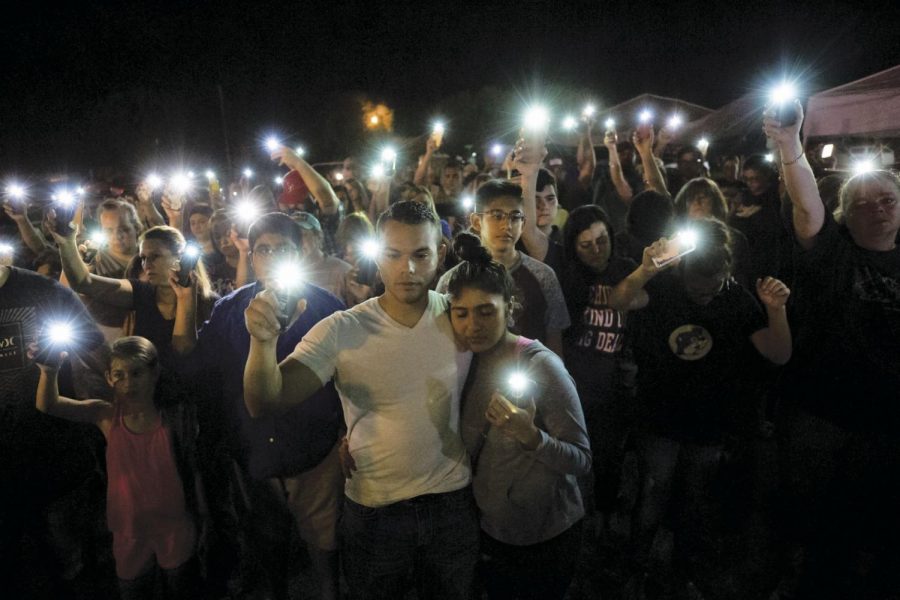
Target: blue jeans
[[430, 539]]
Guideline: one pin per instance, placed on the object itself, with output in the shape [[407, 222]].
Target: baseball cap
[[294, 190], [307, 221]]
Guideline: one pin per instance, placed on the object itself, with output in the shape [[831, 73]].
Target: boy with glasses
[[498, 220]]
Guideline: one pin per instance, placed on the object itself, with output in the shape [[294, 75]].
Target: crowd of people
[[672, 378]]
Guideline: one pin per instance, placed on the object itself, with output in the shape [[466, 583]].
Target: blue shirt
[[271, 446]]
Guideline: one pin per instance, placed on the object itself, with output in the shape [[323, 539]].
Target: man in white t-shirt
[[408, 507]]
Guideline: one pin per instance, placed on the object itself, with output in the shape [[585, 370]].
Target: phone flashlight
[[782, 99], [154, 181], [180, 183], [675, 122], [517, 384], [610, 125], [588, 111], [300, 151], [536, 118], [65, 211], [285, 283], [497, 150], [97, 238], [279, 180], [189, 258], [645, 116], [437, 133], [684, 242], [248, 173], [378, 171], [56, 337], [865, 165], [827, 150], [569, 123], [703, 145], [245, 213], [210, 175], [369, 251], [15, 191], [272, 144], [468, 202], [388, 155]]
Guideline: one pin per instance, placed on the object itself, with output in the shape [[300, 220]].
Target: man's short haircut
[[493, 189], [758, 162], [277, 223], [410, 212], [544, 179], [126, 208], [452, 163]]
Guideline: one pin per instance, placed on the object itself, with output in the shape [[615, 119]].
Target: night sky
[[133, 86]]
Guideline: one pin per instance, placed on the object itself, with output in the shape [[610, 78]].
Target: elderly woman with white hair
[[843, 436]]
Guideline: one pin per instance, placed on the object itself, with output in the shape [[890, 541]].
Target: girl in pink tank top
[[146, 508]]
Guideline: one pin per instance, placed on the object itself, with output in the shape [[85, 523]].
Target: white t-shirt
[[400, 389]]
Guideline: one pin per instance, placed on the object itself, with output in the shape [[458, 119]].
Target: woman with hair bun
[[523, 428]]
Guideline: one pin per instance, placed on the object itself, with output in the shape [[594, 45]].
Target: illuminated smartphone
[[188, 263], [677, 247], [366, 273]]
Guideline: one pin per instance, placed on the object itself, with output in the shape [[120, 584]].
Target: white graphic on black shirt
[[690, 342]]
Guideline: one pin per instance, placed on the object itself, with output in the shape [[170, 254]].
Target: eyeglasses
[[277, 250], [499, 216]]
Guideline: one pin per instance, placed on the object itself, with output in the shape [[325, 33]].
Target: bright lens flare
[[468, 202], [191, 251], [517, 383], [180, 182], [339, 176], [65, 198], [783, 92], [388, 155], [610, 124], [288, 276], [865, 165], [770, 157], [98, 238], [154, 181], [300, 151], [15, 191], [675, 121], [60, 333], [246, 211], [248, 173], [827, 150], [537, 118], [688, 237], [6, 249], [279, 180], [569, 123], [497, 150], [588, 111], [272, 144], [645, 117], [370, 249], [703, 145], [210, 175], [378, 171], [438, 128]]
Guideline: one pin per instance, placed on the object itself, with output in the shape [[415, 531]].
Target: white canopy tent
[[868, 107]]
